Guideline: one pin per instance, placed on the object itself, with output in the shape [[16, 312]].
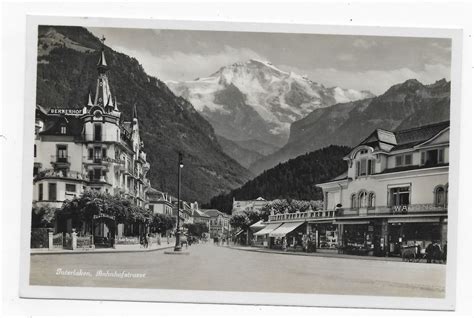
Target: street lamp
[[177, 247]]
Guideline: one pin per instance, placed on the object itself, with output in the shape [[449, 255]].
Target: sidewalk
[[333, 255], [119, 249]]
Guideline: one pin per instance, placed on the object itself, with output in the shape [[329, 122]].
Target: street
[[210, 267]]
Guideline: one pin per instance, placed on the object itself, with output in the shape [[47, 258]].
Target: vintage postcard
[[241, 163]]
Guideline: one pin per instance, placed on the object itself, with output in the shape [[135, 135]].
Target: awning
[[284, 229], [238, 233], [414, 220], [257, 225], [351, 222], [269, 228]]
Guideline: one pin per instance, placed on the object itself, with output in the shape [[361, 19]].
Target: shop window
[[440, 196], [52, 192], [400, 196], [353, 201], [70, 187], [371, 201], [40, 192]]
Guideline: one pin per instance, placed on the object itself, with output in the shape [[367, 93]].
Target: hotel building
[[393, 194], [89, 148]]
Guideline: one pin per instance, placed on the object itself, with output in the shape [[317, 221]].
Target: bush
[[39, 237]]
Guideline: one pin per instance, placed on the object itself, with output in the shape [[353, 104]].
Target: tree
[[240, 221], [83, 208], [196, 229], [161, 223], [43, 217]]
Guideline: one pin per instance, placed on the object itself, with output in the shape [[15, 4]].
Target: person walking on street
[[429, 253]]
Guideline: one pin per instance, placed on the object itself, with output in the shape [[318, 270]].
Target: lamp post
[[177, 247]]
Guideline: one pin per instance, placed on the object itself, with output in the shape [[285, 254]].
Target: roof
[[53, 124], [411, 137], [385, 140], [214, 213], [200, 214]]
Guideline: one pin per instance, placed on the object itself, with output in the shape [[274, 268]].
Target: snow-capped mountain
[[255, 100]]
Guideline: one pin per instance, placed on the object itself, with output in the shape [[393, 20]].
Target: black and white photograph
[[243, 160]]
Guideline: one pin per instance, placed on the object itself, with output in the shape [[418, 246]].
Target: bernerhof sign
[[65, 111]]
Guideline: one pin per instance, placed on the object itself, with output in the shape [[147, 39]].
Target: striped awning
[[284, 229], [267, 229]]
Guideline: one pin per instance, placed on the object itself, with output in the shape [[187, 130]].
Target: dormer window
[[365, 167], [63, 130], [432, 157], [404, 160]]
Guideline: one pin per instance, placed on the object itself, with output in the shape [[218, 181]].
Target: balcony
[[51, 173], [303, 216], [60, 161], [96, 161], [393, 210]]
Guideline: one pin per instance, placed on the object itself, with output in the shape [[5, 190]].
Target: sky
[[359, 62]]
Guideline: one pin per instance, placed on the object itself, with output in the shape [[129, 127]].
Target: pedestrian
[[437, 254], [445, 252], [429, 253]]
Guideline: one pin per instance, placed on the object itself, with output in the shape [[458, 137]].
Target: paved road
[[210, 267]]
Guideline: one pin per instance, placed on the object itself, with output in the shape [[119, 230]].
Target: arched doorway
[[103, 230]]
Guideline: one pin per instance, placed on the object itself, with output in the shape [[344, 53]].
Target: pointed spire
[[116, 105], [102, 64], [135, 114], [89, 101]]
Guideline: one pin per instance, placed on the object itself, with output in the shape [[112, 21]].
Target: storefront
[[323, 236], [362, 237], [419, 231], [261, 237], [288, 236]]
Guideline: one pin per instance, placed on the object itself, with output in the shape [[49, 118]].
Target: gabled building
[[159, 202], [218, 223], [90, 147], [239, 207], [394, 193]]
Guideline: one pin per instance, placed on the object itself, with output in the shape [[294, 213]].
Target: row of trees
[[294, 179], [82, 209]]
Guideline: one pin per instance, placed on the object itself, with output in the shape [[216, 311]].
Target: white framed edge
[[250, 298]]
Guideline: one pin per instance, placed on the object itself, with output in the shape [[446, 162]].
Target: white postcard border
[[219, 297]]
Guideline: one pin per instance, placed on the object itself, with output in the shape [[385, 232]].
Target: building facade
[[394, 194], [239, 207], [219, 225], [88, 148]]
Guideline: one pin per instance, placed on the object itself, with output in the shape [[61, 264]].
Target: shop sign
[[103, 215], [401, 209], [65, 111]]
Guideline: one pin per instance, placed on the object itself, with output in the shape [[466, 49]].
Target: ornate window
[[363, 199], [353, 201], [440, 196], [371, 202]]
